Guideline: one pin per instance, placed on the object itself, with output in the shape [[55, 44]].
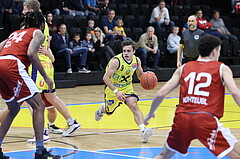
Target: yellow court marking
[[123, 118]]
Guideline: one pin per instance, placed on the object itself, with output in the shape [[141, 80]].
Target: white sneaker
[[146, 134], [98, 113], [46, 138], [69, 70], [83, 70], [54, 129], [71, 129]]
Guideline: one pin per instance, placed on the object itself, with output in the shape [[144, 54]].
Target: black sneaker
[[2, 156], [54, 129], [46, 155]]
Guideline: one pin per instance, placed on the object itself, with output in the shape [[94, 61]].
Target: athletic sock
[[142, 127], [39, 146], [1, 141], [70, 121], [50, 124]]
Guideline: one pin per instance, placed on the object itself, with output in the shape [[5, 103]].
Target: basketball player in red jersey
[[201, 99], [16, 54]]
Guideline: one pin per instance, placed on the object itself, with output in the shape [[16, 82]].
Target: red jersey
[[201, 88], [17, 44]]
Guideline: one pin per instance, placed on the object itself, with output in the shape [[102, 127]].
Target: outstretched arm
[[167, 88]]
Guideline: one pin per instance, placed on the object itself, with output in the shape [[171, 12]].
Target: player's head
[[128, 47], [34, 20], [30, 6], [208, 45]]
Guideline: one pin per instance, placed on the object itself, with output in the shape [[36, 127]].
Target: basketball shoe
[[2, 156], [54, 129], [98, 113], [46, 155], [71, 129], [146, 134], [46, 138]]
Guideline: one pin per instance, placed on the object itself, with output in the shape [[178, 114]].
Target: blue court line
[[124, 153], [102, 102]]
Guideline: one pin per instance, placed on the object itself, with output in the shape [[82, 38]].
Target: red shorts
[[15, 83], [204, 127], [47, 103]]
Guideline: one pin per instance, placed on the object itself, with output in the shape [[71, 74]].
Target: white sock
[[50, 124], [70, 121], [142, 127]]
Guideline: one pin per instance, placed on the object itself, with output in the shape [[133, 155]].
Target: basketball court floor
[[114, 137]]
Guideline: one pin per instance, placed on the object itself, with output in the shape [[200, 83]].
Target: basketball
[[148, 80]]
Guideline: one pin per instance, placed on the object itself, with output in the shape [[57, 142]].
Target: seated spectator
[[80, 51], [90, 28], [102, 51], [55, 6], [148, 46], [120, 30], [173, 40], [204, 25], [160, 17], [52, 26], [109, 26], [218, 24], [6, 7], [81, 8], [62, 7], [88, 43]]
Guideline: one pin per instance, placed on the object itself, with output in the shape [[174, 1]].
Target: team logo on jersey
[[41, 83], [196, 37], [134, 66], [128, 71], [110, 102]]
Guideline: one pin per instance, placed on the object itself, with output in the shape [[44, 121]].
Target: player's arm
[[179, 55], [2, 44], [167, 88], [106, 78], [139, 69], [230, 84], [33, 48]]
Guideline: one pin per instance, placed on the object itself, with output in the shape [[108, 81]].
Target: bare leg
[[38, 107], [235, 153], [3, 113], [132, 104], [58, 104], [165, 154], [52, 115], [13, 108]]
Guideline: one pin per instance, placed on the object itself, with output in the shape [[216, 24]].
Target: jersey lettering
[[15, 37]]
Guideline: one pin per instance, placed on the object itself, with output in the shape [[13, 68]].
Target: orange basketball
[[148, 80]]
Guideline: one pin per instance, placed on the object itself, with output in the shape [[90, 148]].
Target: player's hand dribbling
[[148, 117], [120, 96], [49, 83]]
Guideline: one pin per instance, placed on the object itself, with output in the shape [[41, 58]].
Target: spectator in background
[[204, 25], [92, 6], [59, 46], [51, 25], [218, 24], [103, 52], [148, 45], [160, 17], [62, 7], [109, 26], [55, 6], [88, 43], [6, 7], [81, 8], [90, 28], [173, 40], [120, 30], [188, 42], [79, 51]]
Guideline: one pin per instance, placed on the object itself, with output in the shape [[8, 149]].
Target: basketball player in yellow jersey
[[119, 89]]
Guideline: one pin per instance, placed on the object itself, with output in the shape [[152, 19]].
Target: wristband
[[115, 91]]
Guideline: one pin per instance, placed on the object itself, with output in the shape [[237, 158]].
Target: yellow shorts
[[38, 78], [111, 100]]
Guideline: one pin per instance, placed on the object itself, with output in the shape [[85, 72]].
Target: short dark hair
[[127, 43], [207, 43], [33, 19]]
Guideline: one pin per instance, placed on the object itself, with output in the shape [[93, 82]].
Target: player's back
[[201, 88], [17, 44]]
